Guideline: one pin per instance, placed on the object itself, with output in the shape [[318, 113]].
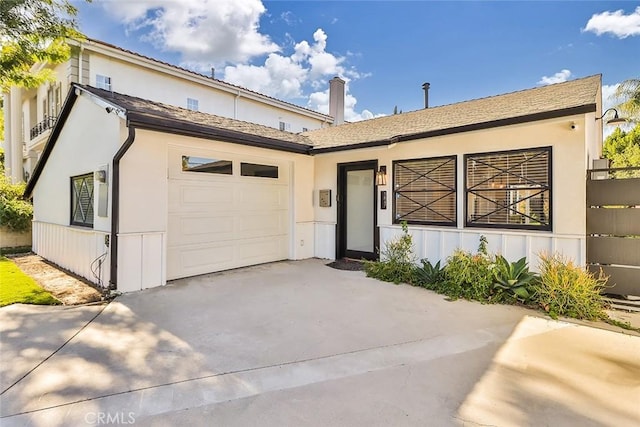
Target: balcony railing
[[43, 126]]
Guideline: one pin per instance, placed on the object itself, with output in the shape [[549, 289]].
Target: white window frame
[[285, 127], [103, 82], [193, 104], [86, 190]]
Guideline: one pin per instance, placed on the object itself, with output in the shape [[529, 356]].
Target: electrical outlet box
[[325, 198]]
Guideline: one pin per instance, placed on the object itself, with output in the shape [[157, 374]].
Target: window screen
[[425, 191], [510, 189], [82, 200]]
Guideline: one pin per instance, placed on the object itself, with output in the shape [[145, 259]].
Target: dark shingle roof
[[146, 111], [557, 97], [558, 100]]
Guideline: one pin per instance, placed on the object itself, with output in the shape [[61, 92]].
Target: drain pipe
[[425, 87], [115, 206]]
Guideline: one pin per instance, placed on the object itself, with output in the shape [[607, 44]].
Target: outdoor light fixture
[[381, 176], [617, 120]]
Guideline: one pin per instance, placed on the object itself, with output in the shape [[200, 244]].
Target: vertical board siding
[[436, 244], [141, 261], [325, 240], [71, 248]]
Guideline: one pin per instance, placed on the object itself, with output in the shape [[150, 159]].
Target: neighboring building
[[135, 193], [30, 114]]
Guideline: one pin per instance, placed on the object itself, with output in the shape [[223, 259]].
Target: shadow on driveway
[[301, 343]]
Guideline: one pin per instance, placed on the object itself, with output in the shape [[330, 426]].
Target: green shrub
[[468, 276], [565, 289], [428, 275], [15, 213], [514, 278], [397, 261]]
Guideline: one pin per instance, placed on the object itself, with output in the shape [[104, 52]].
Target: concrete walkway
[[298, 343]]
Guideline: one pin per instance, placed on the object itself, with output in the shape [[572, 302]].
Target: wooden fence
[[613, 227]]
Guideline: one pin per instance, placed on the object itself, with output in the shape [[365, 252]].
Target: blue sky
[[384, 49]]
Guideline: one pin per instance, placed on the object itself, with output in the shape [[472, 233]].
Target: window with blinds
[[82, 200], [509, 189], [425, 191]]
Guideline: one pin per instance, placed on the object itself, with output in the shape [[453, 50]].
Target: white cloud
[[280, 76], [559, 77], [319, 101], [310, 65], [289, 18], [616, 23], [609, 99], [225, 34], [285, 76], [205, 32]]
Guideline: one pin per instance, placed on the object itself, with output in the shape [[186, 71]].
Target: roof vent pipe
[[425, 87], [213, 73], [336, 100]]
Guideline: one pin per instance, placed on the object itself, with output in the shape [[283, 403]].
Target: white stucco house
[[132, 193], [30, 114]]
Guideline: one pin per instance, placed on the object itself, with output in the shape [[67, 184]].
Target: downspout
[[80, 63], [235, 105], [115, 206]]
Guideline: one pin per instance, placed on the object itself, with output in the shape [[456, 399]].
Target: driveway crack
[[54, 352]]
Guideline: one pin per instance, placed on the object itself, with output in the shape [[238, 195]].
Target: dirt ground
[[68, 288]]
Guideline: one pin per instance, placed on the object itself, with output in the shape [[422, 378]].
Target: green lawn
[[17, 287]]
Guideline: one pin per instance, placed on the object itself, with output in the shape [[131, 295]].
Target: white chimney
[[336, 100]]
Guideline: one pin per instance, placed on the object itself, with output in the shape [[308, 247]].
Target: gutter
[[192, 129], [583, 109], [115, 205]]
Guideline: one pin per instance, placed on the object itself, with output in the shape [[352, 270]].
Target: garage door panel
[[261, 250], [263, 224], [205, 258], [196, 229], [262, 197], [199, 197], [198, 259], [218, 222]]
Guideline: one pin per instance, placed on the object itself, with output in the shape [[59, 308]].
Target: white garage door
[[225, 211]]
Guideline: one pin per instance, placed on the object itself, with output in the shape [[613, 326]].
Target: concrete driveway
[[299, 343]]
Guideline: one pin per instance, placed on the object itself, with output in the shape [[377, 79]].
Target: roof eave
[[179, 127], [72, 96], [545, 115], [139, 59]]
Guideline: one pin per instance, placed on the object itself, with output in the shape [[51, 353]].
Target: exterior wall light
[[616, 120], [381, 176]]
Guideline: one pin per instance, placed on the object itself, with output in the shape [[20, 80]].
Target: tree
[[34, 31], [15, 212], [623, 148], [629, 90]]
